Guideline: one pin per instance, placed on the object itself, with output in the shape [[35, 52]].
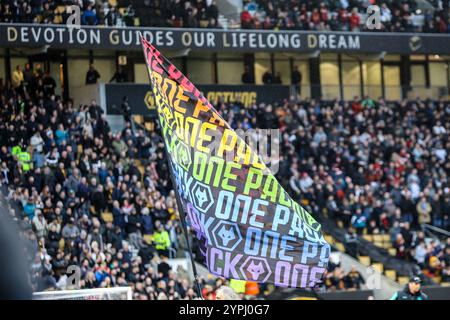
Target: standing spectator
[[296, 79], [17, 80], [424, 210], [92, 75], [247, 76], [89, 16]]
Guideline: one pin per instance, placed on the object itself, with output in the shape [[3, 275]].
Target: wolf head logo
[[255, 269], [200, 194], [226, 235]]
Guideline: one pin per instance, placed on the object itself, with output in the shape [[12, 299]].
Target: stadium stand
[[368, 170], [343, 15]]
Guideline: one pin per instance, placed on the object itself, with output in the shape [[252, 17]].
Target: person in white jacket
[[40, 224]]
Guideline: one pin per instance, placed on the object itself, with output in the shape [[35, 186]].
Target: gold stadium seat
[[61, 9], [365, 260], [340, 224], [112, 3], [139, 119], [391, 274], [378, 243], [148, 238], [329, 239], [122, 11], [150, 126], [387, 245], [340, 246], [445, 284], [107, 217], [377, 238], [392, 251], [379, 267], [386, 238], [403, 280], [368, 237], [437, 279], [61, 244], [203, 23]]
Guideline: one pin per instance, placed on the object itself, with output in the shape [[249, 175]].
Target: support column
[[7, 65], [314, 77], [249, 61], [405, 75], [64, 62]]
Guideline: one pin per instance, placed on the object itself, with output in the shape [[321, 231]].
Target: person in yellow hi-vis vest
[[24, 158], [238, 285], [16, 150], [161, 240]]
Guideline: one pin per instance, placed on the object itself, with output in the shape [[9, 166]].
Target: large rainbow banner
[[248, 226]]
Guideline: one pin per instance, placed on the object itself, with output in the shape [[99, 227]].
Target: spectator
[[296, 79], [247, 76], [92, 75]]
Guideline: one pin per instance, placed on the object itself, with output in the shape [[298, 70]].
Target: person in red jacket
[[323, 13], [354, 20], [343, 19], [246, 20], [315, 18]]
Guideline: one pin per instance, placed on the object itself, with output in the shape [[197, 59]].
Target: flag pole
[[180, 207]]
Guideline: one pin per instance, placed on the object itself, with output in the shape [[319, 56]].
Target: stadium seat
[[148, 238], [150, 126], [340, 224], [437, 279], [329, 239], [392, 251], [112, 3], [61, 244], [138, 119], [386, 238], [387, 245], [403, 280], [340, 246], [378, 243], [203, 23], [377, 238], [391, 274], [122, 11], [107, 217], [445, 284], [368, 237], [378, 266], [365, 260], [61, 9]]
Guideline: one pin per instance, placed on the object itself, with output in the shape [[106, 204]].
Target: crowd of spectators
[[377, 167], [63, 171], [333, 15], [374, 166], [345, 15], [158, 13]]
